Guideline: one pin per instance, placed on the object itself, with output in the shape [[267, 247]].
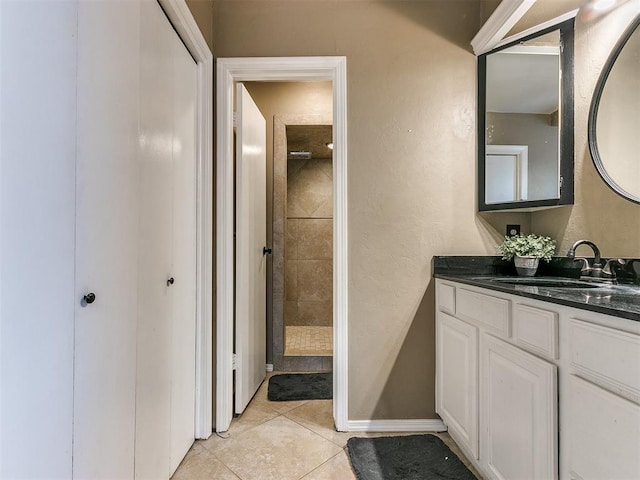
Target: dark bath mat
[[300, 386], [414, 457]]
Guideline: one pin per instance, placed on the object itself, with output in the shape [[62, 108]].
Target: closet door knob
[[170, 282], [89, 297], [266, 250]]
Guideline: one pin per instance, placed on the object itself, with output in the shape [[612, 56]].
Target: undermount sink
[[547, 282]]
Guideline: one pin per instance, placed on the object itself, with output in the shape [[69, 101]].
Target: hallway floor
[[279, 441]]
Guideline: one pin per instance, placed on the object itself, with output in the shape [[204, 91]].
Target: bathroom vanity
[[539, 380]]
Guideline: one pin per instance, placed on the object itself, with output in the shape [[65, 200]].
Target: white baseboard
[[396, 426], [268, 367]]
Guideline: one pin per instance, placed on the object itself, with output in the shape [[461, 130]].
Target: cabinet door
[[604, 434], [518, 419], [457, 379]]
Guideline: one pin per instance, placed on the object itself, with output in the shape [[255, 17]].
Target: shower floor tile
[[308, 341]]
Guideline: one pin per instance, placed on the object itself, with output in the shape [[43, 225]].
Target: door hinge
[[561, 182], [235, 119], [233, 361]]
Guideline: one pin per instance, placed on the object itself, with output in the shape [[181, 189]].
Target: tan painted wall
[[411, 81], [202, 11], [544, 10], [411, 129], [598, 214], [535, 131]]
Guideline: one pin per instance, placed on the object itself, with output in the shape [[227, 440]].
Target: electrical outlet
[[513, 230]]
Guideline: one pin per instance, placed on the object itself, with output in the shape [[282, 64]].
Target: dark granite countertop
[[621, 300]]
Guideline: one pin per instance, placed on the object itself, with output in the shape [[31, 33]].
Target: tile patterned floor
[[278, 441], [304, 341]]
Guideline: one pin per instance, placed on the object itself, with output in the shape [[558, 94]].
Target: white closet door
[[251, 237], [154, 369], [37, 238], [106, 239], [184, 255]]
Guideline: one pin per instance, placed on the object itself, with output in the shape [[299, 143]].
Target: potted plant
[[526, 251]]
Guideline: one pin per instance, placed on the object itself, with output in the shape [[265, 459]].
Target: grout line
[[325, 462]]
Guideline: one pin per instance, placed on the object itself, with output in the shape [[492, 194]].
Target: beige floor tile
[[280, 441], [201, 464], [318, 417], [337, 468], [284, 407], [213, 442], [254, 415], [257, 412], [279, 449]]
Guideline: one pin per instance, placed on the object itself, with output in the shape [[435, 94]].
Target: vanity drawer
[[446, 298], [491, 312], [536, 330], [607, 357]]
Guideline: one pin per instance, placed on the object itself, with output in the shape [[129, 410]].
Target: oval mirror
[[614, 117]]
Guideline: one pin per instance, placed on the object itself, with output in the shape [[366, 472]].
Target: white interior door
[[506, 176], [501, 179], [107, 191], [183, 335], [251, 235]]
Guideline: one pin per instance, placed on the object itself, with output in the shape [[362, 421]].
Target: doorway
[[278, 69], [303, 247]]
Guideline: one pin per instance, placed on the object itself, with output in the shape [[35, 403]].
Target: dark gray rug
[[413, 457], [300, 386]]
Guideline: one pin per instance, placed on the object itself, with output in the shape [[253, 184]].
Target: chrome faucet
[[596, 269], [609, 271]]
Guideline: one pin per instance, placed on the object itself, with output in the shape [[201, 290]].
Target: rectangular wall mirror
[[525, 122]]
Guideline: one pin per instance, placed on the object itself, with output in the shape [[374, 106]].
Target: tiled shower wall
[[308, 252]]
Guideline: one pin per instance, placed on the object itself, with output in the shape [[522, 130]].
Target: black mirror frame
[[566, 29], [593, 113]]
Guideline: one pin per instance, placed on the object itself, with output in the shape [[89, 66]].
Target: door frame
[[230, 70], [187, 29]]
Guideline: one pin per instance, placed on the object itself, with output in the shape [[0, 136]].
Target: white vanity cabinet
[[519, 411], [497, 400], [457, 379], [604, 391], [535, 390]]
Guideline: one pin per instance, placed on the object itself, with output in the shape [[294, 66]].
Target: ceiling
[[309, 138], [520, 81]]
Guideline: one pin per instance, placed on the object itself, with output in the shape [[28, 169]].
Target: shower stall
[[304, 271]]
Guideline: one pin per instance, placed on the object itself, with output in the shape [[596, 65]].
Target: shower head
[[300, 155]]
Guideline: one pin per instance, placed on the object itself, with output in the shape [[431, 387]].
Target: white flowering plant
[[531, 245]]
